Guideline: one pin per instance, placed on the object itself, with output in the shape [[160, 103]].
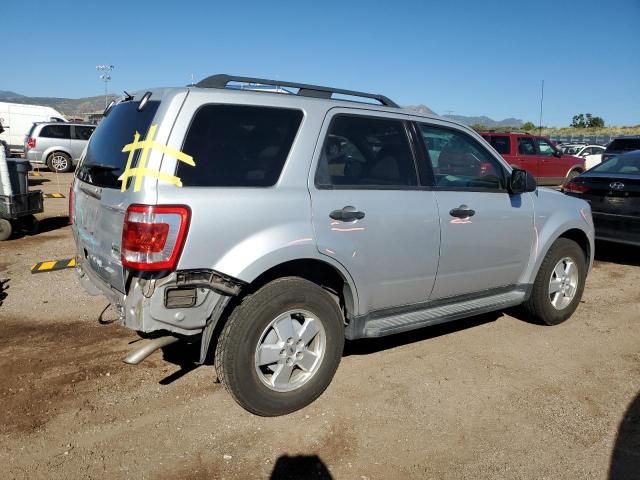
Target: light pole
[[105, 76]]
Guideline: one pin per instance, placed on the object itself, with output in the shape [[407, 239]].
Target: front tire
[[559, 284], [280, 347], [59, 162]]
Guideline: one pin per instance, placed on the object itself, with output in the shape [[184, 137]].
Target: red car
[[537, 155]]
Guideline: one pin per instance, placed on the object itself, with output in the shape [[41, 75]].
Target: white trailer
[[17, 119]]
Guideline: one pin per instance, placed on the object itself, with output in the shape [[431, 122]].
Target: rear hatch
[[99, 206], [615, 194]]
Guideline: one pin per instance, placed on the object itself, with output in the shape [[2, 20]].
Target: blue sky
[[469, 57]]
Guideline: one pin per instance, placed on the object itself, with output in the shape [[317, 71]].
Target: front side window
[[238, 145], [56, 131], [544, 147], [364, 151], [459, 162], [526, 146]]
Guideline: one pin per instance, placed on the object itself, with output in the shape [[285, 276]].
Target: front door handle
[[462, 212], [347, 214]]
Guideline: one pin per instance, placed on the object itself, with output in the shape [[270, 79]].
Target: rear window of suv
[[104, 161], [624, 145], [238, 145]]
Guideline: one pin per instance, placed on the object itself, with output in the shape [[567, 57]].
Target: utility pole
[[105, 76], [541, 100]]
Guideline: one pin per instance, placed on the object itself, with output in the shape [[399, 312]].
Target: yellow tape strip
[[140, 170]]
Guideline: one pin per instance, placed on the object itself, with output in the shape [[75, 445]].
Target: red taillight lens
[[153, 236], [573, 187], [31, 142], [71, 204]]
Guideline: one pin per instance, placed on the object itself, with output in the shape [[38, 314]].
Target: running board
[[425, 315]]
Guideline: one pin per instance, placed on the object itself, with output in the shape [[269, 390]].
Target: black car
[[621, 145], [613, 190]]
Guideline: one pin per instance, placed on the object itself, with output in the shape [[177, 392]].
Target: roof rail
[[304, 90]]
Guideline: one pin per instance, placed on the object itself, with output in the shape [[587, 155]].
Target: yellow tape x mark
[[53, 265], [140, 171]]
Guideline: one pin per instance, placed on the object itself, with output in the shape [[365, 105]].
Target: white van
[[17, 119]]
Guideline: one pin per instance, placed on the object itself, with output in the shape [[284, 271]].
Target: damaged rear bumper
[[182, 302]]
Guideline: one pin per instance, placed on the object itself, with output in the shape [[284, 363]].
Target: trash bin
[[18, 174]]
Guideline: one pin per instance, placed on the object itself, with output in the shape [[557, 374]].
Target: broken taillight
[[153, 236]]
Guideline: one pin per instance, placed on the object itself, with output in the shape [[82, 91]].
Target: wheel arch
[[322, 273]]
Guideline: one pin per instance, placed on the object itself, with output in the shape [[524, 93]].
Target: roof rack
[[304, 90]]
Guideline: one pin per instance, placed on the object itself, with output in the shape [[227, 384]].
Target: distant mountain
[[420, 109], [481, 120], [67, 106], [486, 121]]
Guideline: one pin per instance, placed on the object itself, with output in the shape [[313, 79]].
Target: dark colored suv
[[537, 155], [621, 145]]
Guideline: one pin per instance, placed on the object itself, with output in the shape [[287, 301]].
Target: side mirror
[[557, 153], [521, 181]]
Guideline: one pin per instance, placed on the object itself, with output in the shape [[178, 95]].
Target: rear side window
[[624, 144], [238, 146], [366, 152], [56, 131], [82, 133], [502, 144], [105, 161]]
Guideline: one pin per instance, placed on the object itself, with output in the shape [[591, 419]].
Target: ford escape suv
[[271, 226]]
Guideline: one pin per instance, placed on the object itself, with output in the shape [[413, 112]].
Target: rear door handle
[[347, 214], [462, 212]]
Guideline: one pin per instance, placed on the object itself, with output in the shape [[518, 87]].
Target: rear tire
[[5, 229], [268, 371], [59, 162], [559, 284]]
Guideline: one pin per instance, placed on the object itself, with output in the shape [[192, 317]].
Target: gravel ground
[[489, 397]]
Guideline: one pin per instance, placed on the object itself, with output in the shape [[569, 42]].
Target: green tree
[[596, 122], [528, 126], [578, 121], [478, 127]]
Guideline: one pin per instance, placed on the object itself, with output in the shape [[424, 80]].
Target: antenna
[[541, 101]]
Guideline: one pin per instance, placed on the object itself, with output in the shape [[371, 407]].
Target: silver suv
[[57, 145], [275, 225]]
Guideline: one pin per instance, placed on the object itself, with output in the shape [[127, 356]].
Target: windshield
[[627, 164], [104, 160]]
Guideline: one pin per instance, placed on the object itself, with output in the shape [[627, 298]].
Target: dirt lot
[[481, 398]]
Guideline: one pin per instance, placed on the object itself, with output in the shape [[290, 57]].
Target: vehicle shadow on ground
[[300, 467], [24, 228], [368, 346], [52, 223], [35, 181], [617, 253], [625, 459]]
